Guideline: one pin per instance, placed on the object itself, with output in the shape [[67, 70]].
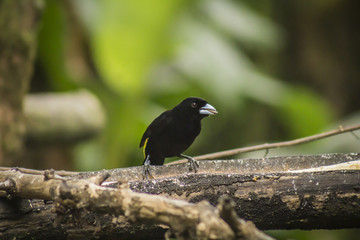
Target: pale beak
[[208, 110]]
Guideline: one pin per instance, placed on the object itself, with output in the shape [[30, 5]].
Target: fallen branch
[[267, 146], [302, 192], [186, 220]]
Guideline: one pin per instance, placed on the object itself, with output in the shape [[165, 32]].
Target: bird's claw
[[147, 173], [194, 165]]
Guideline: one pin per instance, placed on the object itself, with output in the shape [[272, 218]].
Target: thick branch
[[306, 192], [186, 220], [62, 116]]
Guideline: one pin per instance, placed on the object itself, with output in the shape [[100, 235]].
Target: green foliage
[[304, 113], [152, 54], [128, 38], [51, 47]]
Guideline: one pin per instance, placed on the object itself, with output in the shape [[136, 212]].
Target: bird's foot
[[194, 165], [147, 173]]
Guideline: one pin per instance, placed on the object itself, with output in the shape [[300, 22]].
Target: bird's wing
[[157, 126]]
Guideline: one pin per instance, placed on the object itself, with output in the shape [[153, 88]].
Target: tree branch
[[57, 117], [268, 146], [186, 220], [241, 228], [306, 192]]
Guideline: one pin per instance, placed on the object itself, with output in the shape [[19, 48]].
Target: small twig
[[226, 153], [268, 146]]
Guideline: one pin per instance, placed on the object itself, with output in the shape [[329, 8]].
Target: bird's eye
[[194, 105]]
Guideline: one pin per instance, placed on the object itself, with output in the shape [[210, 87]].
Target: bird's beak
[[208, 110]]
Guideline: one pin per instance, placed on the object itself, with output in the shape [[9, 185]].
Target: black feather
[[173, 131]]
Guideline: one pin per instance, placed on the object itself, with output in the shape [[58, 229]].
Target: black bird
[[171, 133]]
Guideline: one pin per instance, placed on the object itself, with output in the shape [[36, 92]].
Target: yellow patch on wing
[[146, 140]]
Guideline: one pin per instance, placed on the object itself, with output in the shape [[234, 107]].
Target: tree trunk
[[18, 25]]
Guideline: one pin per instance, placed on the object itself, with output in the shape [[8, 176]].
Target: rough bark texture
[[18, 25], [186, 220], [33, 218], [306, 192], [312, 200]]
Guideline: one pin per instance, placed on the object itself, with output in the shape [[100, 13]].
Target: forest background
[[275, 70]]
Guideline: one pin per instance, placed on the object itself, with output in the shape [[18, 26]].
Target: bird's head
[[195, 108]]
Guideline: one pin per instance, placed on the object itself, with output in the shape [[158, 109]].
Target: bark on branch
[[307, 192], [186, 220]]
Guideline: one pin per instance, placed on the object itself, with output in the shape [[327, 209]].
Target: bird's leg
[[147, 173], [193, 163]]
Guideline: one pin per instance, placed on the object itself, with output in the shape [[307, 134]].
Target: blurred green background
[[274, 70]]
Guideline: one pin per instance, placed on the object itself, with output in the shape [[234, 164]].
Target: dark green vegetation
[[276, 70], [271, 74]]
